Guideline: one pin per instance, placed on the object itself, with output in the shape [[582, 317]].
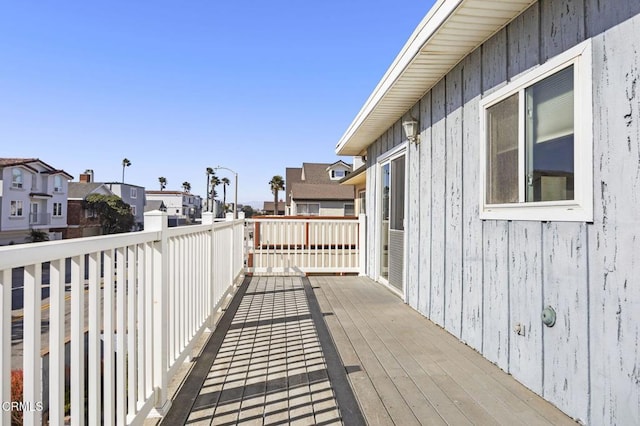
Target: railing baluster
[[5, 337], [56, 342], [77, 340], [108, 370], [132, 330], [32, 364], [94, 390], [121, 341]]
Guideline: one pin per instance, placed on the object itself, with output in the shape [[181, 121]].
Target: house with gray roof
[[314, 190]]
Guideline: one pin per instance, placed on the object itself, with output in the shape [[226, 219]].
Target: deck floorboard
[[289, 336]]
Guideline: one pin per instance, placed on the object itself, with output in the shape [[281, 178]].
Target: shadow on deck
[[343, 350]]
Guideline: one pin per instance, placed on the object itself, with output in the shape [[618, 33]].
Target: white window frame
[[580, 209], [57, 183], [18, 210], [133, 209], [17, 178], [57, 209]]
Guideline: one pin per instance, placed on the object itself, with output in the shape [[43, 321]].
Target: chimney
[[87, 176]]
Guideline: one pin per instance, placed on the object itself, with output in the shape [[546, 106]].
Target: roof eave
[[435, 47]]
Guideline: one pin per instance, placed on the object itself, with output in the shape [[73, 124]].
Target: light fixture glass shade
[[411, 129]]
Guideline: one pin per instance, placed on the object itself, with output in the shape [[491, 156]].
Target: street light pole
[[235, 205]]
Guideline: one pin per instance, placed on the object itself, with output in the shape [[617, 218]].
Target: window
[[133, 192], [16, 209], [349, 210], [57, 209], [308, 209], [17, 178], [363, 201], [133, 210], [536, 154], [57, 183]]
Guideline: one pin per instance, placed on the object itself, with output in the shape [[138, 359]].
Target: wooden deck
[[372, 360]]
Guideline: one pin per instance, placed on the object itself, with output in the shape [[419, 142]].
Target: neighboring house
[[84, 222], [133, 195], [268, 207], [315, 190], [182, 207], [155, 205], [33, 195], [521, 195]]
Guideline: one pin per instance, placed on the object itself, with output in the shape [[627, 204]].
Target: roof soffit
[[449, 32]]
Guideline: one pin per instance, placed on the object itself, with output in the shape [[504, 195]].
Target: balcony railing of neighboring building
[[131, 304], [134, 305], [40, 218]]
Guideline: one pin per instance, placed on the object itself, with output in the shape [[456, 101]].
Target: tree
[[37, 236], [248, 211], [114, 214], [186, 186], [276, 183], [209, 172], [125, 163], [163, 182], [225, 182], [215, 181]]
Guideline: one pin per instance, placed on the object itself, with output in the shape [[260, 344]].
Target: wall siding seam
[[510, 226], [446, 222], [588, 306], [542, 285], [431, 208], [462, 263]]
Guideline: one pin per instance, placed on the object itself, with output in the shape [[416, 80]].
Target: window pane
[[314, 209], [549, 138], [397, 194], [502, 155]]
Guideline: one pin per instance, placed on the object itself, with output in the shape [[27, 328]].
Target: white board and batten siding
[[480, 279]]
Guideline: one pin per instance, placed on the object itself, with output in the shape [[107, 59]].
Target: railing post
[[362, 244], [157, 221], [229, 218], [208, 219]]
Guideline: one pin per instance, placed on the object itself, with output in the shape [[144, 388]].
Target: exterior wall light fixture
[[410, 126]]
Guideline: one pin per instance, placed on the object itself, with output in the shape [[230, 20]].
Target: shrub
[[16, 394]]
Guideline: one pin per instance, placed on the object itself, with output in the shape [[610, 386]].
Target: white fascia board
[[438, 15]]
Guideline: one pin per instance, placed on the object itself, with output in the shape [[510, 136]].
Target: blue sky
[[176, 87]]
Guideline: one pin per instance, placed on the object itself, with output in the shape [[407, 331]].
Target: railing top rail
[[27, 254], [192, 229], [303, 218]]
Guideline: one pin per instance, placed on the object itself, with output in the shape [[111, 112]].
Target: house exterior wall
[[480, 278], [124, 191], [36, 179], [79, 224]]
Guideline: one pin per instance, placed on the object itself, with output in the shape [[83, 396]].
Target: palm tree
[[225, 181], [277, 184], [215, 181], [209, 173], [186, 186], [163, 182], [125, 163]]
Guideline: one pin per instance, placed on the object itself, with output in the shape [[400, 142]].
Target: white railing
[[294, 245], [137, 303]]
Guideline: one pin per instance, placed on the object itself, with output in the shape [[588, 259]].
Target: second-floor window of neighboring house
[[57, 183], [308, 209], [133, 193], [57, 209], [133, 210], [16, 209], [17, 178]]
